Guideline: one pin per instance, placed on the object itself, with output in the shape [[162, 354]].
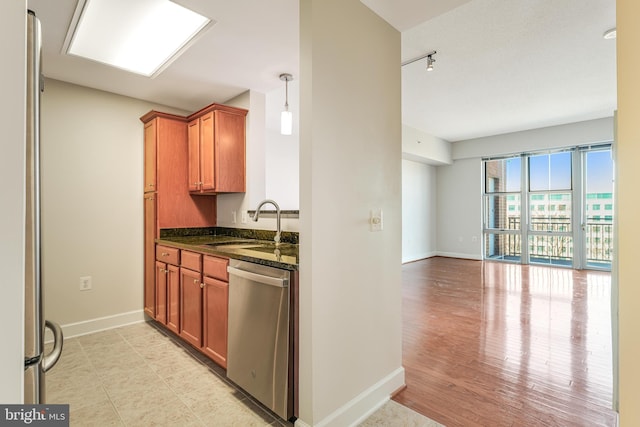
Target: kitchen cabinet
[[166, 165], [191, 298], [149, 254], [167, 287], [173, 298], [161, 292], [167, 202], [217, 161], [215, 308]]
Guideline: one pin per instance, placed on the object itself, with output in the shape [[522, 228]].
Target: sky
[[553, 172]]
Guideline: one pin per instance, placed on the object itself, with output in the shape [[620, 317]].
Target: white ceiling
[[501, 66]]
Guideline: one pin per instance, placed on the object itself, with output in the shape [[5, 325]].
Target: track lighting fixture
[[430, 60]]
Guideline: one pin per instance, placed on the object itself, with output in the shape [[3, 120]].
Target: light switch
[[375, 220]]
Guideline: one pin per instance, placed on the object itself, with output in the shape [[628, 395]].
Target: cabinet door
[[194, 155], [207, 152], [173, 298], [229, 152], [161, 292], [150, 142], [149, 254], [191, 306], [216, 301]]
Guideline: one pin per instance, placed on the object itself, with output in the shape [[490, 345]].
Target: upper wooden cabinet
[[150, 143], [165, 174], [217, 150]]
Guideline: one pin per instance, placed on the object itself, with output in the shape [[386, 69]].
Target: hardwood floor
[[495, 344]]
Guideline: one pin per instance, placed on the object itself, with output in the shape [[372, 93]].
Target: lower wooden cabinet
[[215, 311], [191, 298], [191, 306], [173, 298], [161, 292]]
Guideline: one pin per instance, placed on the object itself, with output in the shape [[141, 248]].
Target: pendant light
[[286, 118]]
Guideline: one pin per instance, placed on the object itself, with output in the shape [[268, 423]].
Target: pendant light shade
[[286, 122], [286, 118]]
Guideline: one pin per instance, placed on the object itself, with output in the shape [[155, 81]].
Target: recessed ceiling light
[[142, 36], [610, 34]]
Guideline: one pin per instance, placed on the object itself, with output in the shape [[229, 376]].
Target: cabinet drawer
[[191, 260], [168, 255], [216, 267]]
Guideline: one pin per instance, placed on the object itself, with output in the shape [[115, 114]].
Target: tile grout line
[[156, 373], [95, 372], [193, 355]]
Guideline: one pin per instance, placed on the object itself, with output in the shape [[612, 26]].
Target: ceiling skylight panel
[[141, 36]]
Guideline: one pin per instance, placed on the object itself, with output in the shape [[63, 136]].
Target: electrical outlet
[[85, 283], [233, 217], [244, 217]]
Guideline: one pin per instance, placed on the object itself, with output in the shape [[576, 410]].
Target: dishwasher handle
[[279, 282]]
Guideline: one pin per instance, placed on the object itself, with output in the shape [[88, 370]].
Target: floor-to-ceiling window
[[553, 208], [502, 209]]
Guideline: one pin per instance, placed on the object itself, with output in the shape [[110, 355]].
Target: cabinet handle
[[165, 254], [196, 281], [202, 285]]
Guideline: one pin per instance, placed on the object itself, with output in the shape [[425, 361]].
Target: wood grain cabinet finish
[[167, 201], [216, 308], [191, 306], [149, 254], [167, 289], [217, 150], [173, 298], [161, 292]]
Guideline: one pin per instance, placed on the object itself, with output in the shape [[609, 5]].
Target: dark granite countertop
[[235, 246]]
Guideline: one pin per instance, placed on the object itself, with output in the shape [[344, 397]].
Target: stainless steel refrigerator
[[36, 363]]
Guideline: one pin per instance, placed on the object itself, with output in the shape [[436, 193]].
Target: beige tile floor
[[138, 375]]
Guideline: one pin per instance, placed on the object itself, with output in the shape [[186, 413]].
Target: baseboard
[[85, 327], [422, 256], [459, 255], [362, 406]]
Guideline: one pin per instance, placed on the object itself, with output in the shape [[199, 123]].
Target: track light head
[[430, 62]]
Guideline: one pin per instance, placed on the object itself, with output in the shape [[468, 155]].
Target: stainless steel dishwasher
[[258, 339]]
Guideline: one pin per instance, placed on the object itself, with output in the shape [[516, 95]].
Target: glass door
[[550, 210], [597, 217]]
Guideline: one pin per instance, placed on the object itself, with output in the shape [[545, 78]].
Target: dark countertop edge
[[210, 251], [241, 233]]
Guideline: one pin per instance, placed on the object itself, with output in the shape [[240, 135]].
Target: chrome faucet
[[257, 215]]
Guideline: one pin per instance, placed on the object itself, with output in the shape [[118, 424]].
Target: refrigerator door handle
[[52, 358]]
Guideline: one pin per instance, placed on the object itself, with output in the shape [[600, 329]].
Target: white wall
[[92, 210], [418, 211], [282, 176], [350, 162], [12, 170], [569, 135], [420, 146], [459, 214], [257, 171]]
